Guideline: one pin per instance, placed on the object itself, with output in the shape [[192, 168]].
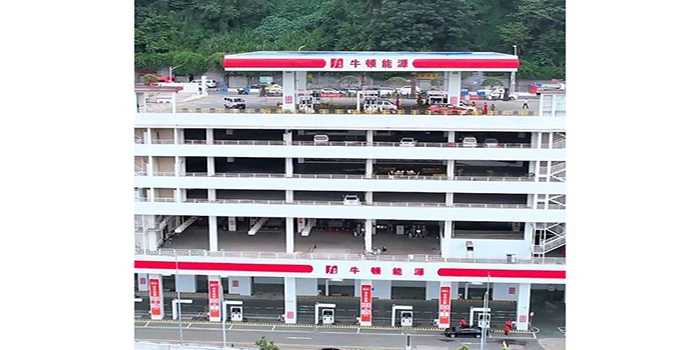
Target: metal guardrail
[[349, 257], [340, 143], [347, 111], [348, 177], [375, 204]]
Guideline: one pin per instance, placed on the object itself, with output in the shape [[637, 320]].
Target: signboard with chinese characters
[[444, 308], [214, 301], [366, 304], [155, 297]]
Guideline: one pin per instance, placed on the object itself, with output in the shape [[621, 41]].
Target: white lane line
[[358, 330], [189, 325], [534, 336], [146, 325], [273, 328], [230, 327], [298, 338], [296, 331]]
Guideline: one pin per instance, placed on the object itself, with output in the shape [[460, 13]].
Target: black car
[[453, 332]]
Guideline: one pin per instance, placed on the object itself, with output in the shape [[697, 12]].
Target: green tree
[[264, 344], [190, 63], [149, 79]]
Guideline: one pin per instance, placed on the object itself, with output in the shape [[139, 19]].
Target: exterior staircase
[[554, 237]]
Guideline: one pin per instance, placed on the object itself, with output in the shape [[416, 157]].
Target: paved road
[[214, 100], [316, 338]]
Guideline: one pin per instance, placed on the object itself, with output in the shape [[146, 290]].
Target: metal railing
[[341, 144], [352, 257], [349, 177], [375, 204], [346, 111]]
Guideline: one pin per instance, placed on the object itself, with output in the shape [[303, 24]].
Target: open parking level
[[343, 111]]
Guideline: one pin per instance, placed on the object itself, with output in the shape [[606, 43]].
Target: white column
[[155, 296], [290, 300], [446, 240], [214, 288], [444, 304], [466, 290], [368, 234], [369, 197], [523, 307], [288, 167], [210, 136], [288, 196], [289, 234], [211, 194], [240, 285], [148, 136], [365, 303], [288, 93], [185, 283], [449, 198], [176, 166], [529, 232], [451, 169], [152, 240], [432, 290], [451, 136], [180, 135], [369, 168], [149, 166], [307, 286], [213, 234], [381, 289], [300, 81], [370, 137], [454, 87], [211, 167], [173, 102], [176, 137], [232, 227]]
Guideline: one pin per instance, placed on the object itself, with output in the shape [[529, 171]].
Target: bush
[[264, 344], [491, 82], [149, 79]]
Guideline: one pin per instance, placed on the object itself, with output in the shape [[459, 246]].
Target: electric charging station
[[405, 313], [483, 317], [327, 312], [175, 308], [235, 310]]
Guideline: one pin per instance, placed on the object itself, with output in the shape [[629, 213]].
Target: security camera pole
[[484, 331]]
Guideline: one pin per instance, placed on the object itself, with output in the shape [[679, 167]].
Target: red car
[[446, 109]]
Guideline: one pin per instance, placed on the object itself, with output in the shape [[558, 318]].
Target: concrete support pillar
[[214, 290], [289, 196], [369, 230], [451, 135], [148, 136], [176, 167], [289, 234], [366, 303], [290, 300], [173, 102], [369, 168], [444, 304], [185, 283], [432, 290], [211, 167], [240, 285], [287, 137], [177, 139], [288, 167], [149, 166], [466, 290], [210, 136], [523, 307], [449, 198], [300, 83], [370, 137], [369, 197], [151, 240], [288, 93], [155, 296], [450, 169], [307, 286], [211, 194], [529, 233], [213, 234], [454, 87]]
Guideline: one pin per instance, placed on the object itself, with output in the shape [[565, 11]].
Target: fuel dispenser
[[483, 317], [405, 313], [327, 312], [235, 310]]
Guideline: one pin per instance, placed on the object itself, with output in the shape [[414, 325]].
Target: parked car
[[454, 332], [443, 108], [351, 199], [274, 90], [386, 91], [209, 83], [321, 139], [491, 142], [406, 90], [332, 92], [407, 142], [469, 141], [234, 102]]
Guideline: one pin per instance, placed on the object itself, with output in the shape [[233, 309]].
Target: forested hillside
[[197, 33]]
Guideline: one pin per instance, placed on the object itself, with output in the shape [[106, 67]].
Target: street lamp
[[512, 74], [170, 72], [484, 331], [301, 47], [179, 305]]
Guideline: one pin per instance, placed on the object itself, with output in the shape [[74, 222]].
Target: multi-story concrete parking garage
[[360, 204]]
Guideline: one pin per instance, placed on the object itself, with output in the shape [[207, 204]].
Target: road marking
[[273, 328], [296, 331], [358, 330], [562, 330], [298, 338], [534, 335], [230, 327], [269, 308], [189, 325], [147, 323], [172, 341]]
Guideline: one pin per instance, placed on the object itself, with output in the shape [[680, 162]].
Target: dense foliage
[[197, 33]]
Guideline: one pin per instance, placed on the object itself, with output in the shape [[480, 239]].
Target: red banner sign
[[366, 304], [154, 294], [214, 300], [444, 308]]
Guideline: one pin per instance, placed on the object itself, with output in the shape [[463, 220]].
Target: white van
[[321, 139], [469, 141], [234, 102], [209, 83], [351, 199]]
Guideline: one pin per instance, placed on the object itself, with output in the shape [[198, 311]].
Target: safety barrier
[[347, 257], [343, 144], [403, 111], [347, 177]]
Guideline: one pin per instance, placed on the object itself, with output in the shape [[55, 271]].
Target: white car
[[209, 83], [469, 141], [386, 91], [321, 139], [407, 142], [491, 143], [331, 91], [406, 90], [351, 199]]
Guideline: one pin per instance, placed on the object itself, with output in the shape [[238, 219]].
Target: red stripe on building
[[502, 273], [466, 63], [274, 63], [206, 266]]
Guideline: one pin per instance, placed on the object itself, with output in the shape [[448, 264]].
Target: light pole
[[512, 74], [484, 331], [179, 305], [170, 72], [301, 47], [223, 314]]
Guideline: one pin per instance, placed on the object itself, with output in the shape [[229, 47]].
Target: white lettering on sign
[[368, 63]]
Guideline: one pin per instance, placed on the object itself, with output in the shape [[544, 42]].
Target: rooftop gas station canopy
[[361, 61]]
